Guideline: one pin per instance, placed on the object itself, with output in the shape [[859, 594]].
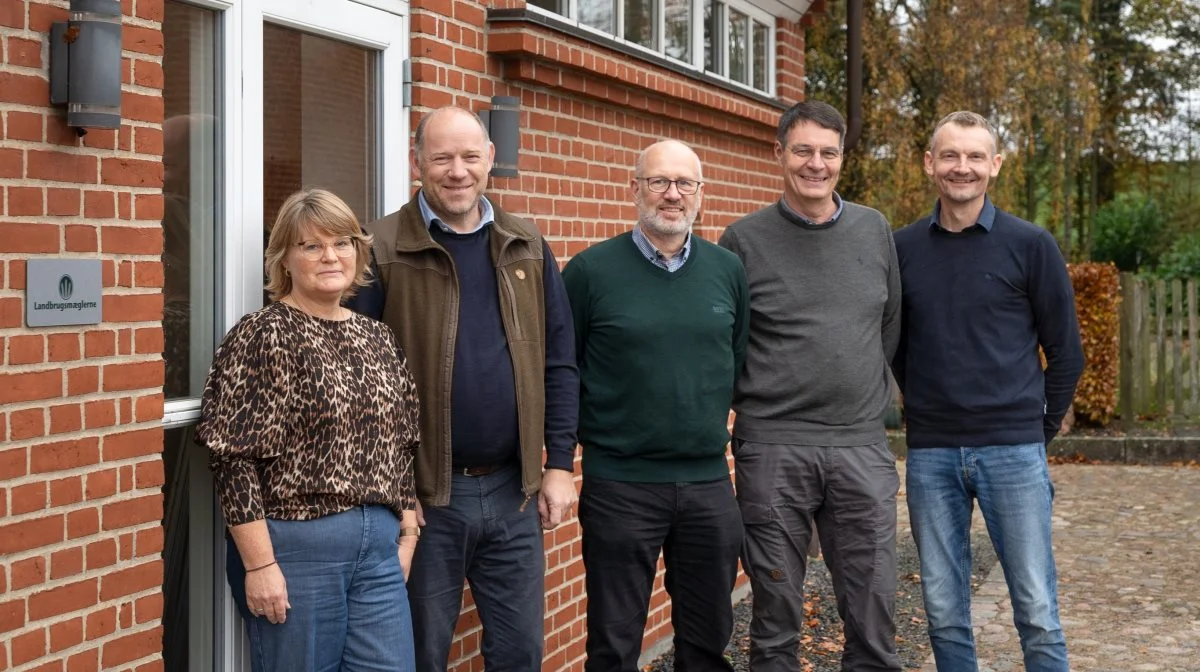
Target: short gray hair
[[967, 120]]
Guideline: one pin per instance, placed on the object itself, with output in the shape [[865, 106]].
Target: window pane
[[639, 22], [714, 60], [319, 120], [761, 42], [677, 41], [190, 194], [739, 35], [598, 14], [556, 6]]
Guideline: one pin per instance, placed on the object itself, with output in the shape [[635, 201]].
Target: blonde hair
[[313, 210]]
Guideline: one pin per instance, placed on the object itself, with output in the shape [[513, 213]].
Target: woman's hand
[[408, 548], [266, 593]]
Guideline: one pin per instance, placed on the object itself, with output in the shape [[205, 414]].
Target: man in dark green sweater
[[661, 322], [808, 439]]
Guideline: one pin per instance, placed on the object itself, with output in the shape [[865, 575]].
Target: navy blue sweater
[[483, 417], [977, 305]]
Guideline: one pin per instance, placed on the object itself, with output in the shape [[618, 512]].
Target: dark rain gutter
[[854, 72]]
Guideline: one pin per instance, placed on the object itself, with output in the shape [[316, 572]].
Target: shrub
[[1182, 260], [1097, 305], [1129, 232]]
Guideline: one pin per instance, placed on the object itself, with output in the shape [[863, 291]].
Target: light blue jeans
[[1012, 486], [350, 608]]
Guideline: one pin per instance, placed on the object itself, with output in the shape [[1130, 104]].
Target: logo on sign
[[65, 287]]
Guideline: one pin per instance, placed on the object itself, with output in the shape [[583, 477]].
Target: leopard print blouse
[[305, 417]]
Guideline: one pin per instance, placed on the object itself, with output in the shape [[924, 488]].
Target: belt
[[482, 470]]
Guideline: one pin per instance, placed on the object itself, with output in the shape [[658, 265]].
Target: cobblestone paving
[[1127, 544]]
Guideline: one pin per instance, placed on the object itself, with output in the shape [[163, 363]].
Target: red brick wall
[[80, 407], [586, 112]]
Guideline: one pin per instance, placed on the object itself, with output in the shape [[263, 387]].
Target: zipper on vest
[[525, 503], [512, 303]]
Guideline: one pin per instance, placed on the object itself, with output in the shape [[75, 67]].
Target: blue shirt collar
[[487, 215], [837, 213], [987, 216], [658, 258]]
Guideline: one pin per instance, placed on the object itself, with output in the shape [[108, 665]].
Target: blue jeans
[[1012, 486], [490, 535], [349, 603]]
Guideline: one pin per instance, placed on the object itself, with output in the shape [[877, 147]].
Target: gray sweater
[[824, 323]]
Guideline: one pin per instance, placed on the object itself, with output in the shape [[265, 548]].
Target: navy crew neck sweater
[[977, 305]]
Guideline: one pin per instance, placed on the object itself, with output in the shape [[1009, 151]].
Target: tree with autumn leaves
[[1075, 88]]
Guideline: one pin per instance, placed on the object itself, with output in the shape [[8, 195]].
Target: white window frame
[[696, 63]]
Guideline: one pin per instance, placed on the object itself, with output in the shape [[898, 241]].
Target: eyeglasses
[[660, 185], [312, 250]]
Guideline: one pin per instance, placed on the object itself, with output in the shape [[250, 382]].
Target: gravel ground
[[821, 641]]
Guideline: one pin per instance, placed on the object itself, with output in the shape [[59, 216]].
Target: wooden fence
[[1160, 361]]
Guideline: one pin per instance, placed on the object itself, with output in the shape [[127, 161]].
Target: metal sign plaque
[[62, 291]]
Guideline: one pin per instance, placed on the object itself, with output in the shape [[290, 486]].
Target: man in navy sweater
[[982, 291]]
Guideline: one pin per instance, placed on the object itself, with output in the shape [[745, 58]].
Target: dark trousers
[[851, 493], [484, 536], [698, 529]]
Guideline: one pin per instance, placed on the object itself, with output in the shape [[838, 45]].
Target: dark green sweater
[[658, 356]]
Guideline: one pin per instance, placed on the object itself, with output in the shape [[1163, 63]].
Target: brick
[[101, 484], [101, 553], [130, 512], [30, 386], [28, 647], [83, 523], [142, 40], [23, 89], [65, 635], [62, 347], [63, 599], [87, 661], [42, 16], [16, 274], [101, 623], [28, 572], [26, 53], [99, 204], [148, 608], [131, 172], [131, 240], [67, 562], [62, 202], [134, 375], [122, 650], [24, 202], [83, 380], [61, 166], [65, 418], [30, 238], [12, 161], [11, 314], [12, 616], [62, 455], [99, 413], [148, 274], [29, 534], [131, 581], [82, 238], [148, 206], [12, 14], [151, 10], [28, 497], [26, 350], [23, 126], [149, 541], [99, 343], [148, 408], [135, 443], [13, 465], [66, 491], [148, 475]]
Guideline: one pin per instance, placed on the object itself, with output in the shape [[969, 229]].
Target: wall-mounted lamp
[[504, 125], [85, 64]]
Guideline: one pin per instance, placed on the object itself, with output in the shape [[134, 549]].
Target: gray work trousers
[[850, 492]]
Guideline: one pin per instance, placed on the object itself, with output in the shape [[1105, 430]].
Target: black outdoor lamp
[[85, 64], [504, 126]]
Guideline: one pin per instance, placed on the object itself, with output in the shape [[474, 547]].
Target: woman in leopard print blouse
[[310, 416]]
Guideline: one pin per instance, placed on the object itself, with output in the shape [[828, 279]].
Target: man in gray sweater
[[808, 440]]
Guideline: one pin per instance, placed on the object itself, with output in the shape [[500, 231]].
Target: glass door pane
[[319, 120]]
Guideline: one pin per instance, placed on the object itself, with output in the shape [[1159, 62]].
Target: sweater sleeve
[[242, 412], [562, 370], [1053, 303], [891, 308], [741, 326]]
